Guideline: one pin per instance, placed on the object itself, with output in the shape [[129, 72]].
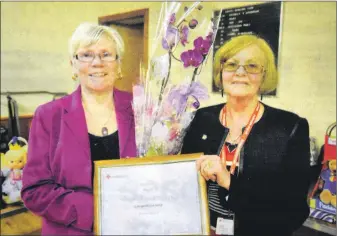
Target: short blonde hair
[[87, 34], [236, 44]]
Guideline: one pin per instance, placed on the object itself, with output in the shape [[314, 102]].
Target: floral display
[[168, 93]]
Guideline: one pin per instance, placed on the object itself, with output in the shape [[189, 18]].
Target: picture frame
[[150, 195]]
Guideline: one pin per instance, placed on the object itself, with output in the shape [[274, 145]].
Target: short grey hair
[[87, 34]]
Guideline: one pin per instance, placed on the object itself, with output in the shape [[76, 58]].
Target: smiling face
[[16, 158], [97, 75], [239, 82]]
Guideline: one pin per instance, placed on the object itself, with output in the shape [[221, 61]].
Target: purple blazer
[[57, 177]]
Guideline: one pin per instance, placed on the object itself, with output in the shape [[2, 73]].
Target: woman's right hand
[[212, 168]]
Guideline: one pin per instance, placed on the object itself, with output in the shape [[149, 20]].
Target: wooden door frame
[[107, 20]]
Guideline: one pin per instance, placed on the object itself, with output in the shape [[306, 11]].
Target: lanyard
[[243, 137]]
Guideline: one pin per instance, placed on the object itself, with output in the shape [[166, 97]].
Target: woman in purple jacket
[[93, 123]]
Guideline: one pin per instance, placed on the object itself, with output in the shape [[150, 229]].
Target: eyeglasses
[[250, 68], [90, 56]]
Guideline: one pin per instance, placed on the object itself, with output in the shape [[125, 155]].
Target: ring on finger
[[204, 168], [209, 164]]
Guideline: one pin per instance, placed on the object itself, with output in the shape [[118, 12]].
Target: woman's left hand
[[212, 168]]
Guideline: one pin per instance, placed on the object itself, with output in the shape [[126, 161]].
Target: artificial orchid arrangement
[[164, 109]]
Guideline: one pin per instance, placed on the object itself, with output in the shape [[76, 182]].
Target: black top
[[269, 194], [103, 148], [231, 146]]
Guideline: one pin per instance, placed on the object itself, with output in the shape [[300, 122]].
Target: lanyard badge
[[225, 225], [243, 137]]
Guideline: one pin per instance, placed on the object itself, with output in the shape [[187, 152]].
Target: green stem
[[169, 70], [194, 74], [174, 57], [181, 23], [165, 80]]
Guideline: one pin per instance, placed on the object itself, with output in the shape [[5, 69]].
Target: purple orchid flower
[[170, 39], [184, 35], [179, 95], [191, 58], [193, 23], [172, 18], [209, 37], [202, 45]]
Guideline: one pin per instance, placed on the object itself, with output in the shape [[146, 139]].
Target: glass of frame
[[155, 195]]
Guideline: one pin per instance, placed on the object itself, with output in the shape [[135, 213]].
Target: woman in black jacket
[[256, 160]]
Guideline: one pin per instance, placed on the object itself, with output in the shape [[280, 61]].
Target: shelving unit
[[17, 220], [321, 226]]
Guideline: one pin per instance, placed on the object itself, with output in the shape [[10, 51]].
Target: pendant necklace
[[104, 129], [233, 141], [230, 139]]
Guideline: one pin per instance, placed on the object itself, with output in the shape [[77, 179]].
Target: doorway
[[133, 27]]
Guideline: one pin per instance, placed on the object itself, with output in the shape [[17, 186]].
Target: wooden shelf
[[24, 116], [12, 210], [321, 226], [17, 220]]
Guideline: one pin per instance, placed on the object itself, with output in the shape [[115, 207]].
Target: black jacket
[[269, 196]]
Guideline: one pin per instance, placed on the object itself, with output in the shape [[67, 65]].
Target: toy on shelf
[[328, 175], [323, 197], [330, 143], [12, 164]]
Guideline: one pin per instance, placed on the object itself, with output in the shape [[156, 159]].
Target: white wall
[[34, 38]]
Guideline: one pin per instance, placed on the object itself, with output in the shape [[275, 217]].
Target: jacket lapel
[[74, 119], [125, 123]]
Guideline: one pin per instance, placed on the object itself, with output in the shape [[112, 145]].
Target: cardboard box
[[323, 196]]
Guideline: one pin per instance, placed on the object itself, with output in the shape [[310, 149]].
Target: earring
[[120, 76], [221, 82], [74, 77]]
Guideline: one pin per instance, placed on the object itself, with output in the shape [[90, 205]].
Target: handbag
[[330, 144], [13, 118]]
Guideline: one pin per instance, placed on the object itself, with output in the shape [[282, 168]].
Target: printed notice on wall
[[260, 19]]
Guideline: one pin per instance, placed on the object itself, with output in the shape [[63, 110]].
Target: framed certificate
[[154, 195]]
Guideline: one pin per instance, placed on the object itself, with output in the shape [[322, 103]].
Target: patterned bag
[[330, 144]]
